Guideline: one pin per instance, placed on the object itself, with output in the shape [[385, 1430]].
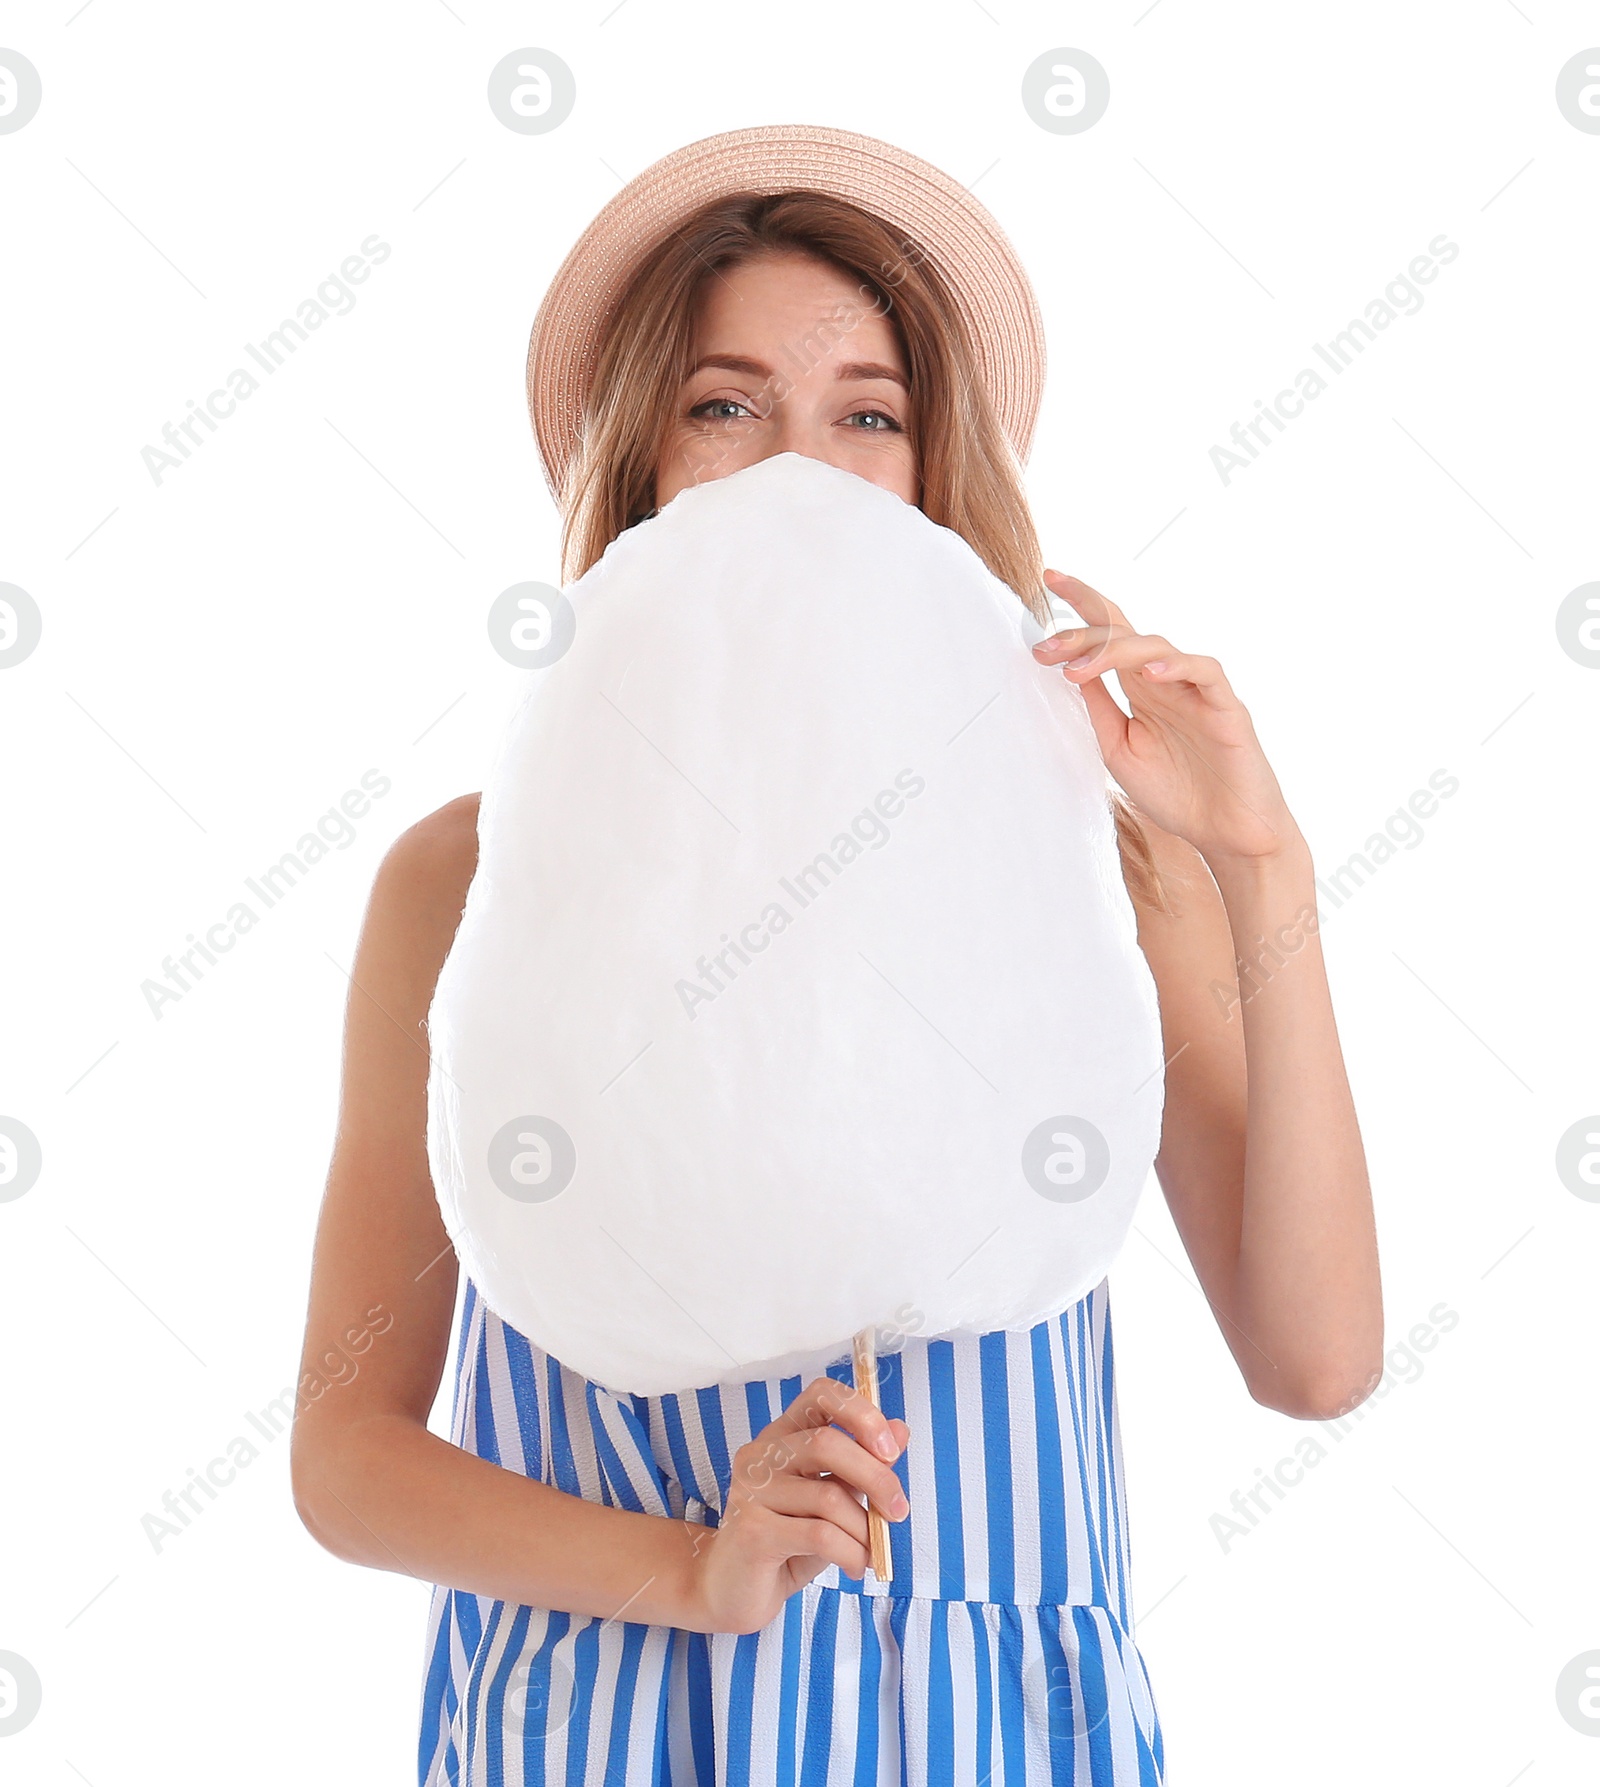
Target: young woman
[[639, 1589]]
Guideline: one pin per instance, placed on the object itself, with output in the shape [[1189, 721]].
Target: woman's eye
[[876, 421], [716, 408]]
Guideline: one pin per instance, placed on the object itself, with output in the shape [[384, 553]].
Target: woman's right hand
[[791, 1508]]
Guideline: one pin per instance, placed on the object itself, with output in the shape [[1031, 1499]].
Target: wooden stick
[[865, 1360]]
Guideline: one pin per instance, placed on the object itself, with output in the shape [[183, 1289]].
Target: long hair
[[969, 478]]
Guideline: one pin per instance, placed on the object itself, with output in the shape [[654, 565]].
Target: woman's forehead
[[778, 299]]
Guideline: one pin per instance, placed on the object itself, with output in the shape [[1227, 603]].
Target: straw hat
[[965, 243]]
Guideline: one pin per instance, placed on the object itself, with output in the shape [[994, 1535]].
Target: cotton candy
[[797, 990]]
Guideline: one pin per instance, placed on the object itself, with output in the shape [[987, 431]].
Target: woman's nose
[[795, 433]]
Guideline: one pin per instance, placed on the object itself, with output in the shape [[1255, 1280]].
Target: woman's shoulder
[[439, 840], [421, 884]]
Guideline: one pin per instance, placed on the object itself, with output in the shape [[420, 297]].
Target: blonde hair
[[969, 478]]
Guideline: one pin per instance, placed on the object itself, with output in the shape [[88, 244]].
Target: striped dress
[[1000, 1655]]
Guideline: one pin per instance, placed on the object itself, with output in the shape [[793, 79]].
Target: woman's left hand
[[1188, 754]]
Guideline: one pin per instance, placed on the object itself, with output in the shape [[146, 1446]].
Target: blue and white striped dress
[[1000, 1655]]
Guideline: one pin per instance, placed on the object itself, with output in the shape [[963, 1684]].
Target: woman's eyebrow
[[871, 369], [732, 363], [849, 369]]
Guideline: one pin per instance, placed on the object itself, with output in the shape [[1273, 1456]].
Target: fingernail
[[900, 1507], [888, 1446], [1078, 663]]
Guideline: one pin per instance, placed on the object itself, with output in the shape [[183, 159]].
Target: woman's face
[[790, 359]]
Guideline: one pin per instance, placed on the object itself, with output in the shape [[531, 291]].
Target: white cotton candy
[[797, 990]]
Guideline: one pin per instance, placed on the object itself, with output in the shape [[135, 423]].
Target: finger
[[826, 1400], [1095, 608], [819, 1498], [827, 1449], [821, 1538], [1070, 643], [1128, 651], [1161, 667], [1168, 666], [1205, 674], [782, 1537], [802, 1441]]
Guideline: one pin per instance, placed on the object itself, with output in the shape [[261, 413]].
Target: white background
[[225, 653]]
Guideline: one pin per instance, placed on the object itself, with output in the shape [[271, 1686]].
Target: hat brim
[[935, 211]]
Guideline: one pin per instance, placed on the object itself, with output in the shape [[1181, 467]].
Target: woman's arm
[[1261, 1158], [371, 1483], [375, 1486]]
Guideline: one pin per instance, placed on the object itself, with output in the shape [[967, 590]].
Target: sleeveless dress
[[1000, 1655]]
